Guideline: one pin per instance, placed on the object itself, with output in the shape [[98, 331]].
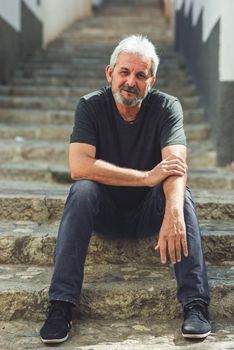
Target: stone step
[[211, 178], [33, 243], [178, 89], [33, 150], [62, 132], [35, 95], [40, 202], [84, 55], [86, 70], [120, 291], [57, 151], [64, 102], [167, 60], [133, 334], [60, 117]]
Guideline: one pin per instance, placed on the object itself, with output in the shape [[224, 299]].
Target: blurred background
[[201, 32]]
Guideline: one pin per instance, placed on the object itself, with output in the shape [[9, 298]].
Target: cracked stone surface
[[134, 334], [122, 291], [33, 243]]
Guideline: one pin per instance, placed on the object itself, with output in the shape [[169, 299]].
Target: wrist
[[146, 179], [175, 210]]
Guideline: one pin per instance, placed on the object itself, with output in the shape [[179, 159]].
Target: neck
[[128, 113]]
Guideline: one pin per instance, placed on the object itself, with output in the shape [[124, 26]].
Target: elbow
[[76, 174]]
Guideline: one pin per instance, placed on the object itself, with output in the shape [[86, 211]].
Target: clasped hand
[[171, 166]]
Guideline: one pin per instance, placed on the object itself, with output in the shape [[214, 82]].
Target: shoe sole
[[54, 341], [196, 336]]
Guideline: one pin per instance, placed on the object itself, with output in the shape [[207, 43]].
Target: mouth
[[129, 91]]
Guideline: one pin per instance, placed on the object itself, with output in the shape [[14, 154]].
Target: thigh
[[108, 221], [150, 212]]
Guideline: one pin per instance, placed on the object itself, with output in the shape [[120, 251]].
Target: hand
[[172, 165], [172, 237]]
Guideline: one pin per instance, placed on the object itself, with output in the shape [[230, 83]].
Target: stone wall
[[203, 35]]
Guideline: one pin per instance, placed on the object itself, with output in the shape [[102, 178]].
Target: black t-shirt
[[135, 145]]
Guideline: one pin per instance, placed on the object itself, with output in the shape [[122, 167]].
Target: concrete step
[[201, 154], [211, 178], [168, 60], [57, 152], [120, 291], [33, 150], [132, 334], [178, 89], [62, 132], [35, 132], [65, 101], [35, 171], [60, 117], [42, 95], [32, 243], [40, 202], [86, 70]]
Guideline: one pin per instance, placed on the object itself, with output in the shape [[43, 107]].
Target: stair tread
[[118, 335], [33, 243], [122, 291]]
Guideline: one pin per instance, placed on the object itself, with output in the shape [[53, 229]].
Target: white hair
[[138, 45]]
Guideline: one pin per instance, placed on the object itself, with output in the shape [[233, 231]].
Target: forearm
[[174, 190], [108, 173]]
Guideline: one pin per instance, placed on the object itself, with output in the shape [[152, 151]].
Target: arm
[[83, 165], [173, 233]]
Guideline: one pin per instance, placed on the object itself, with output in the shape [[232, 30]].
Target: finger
[[174, 166], [184, 246], [163, 251], [174, 156], [178, 250], [171, 249]]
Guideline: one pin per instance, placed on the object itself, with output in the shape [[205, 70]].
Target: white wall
[[57, 14], [10, 12], [34, 8], [213, 10]]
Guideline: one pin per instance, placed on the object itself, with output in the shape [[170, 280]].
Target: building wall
[[58, 14], [26, 25], [204, 35]]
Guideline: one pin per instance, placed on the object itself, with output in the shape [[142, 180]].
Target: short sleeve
[[85, 129], [172, 129]]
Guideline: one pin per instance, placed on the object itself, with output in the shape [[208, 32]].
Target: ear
[[109, 72], [153, 81]]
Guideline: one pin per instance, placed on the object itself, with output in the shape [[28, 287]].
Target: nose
[[131, 80]]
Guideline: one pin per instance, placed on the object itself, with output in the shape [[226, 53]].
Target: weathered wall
[[204, 35], [26, 25]]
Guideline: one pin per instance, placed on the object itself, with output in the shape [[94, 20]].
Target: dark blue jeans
[[89, 208]]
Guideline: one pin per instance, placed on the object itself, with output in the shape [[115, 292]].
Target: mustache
[[130, 89]]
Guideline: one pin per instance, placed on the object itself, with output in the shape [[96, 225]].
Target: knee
[[85, 190]]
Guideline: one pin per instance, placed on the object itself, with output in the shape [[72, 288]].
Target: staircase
[[129, 298]]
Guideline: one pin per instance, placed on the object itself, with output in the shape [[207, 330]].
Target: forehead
[[133, 61]]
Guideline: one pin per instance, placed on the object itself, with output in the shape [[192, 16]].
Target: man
[[128, 155]]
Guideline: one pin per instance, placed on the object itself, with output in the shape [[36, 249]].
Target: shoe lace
[[198, 309], [57, 312]]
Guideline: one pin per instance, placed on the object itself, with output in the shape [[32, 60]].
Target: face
[[130, 79]]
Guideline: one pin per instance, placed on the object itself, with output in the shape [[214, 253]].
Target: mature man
[[128, 155]]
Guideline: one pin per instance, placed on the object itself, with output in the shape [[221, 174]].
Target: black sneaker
[[58, 324], [196, 320]]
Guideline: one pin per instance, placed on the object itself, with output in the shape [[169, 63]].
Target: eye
[[141, 75], [123, 73]]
